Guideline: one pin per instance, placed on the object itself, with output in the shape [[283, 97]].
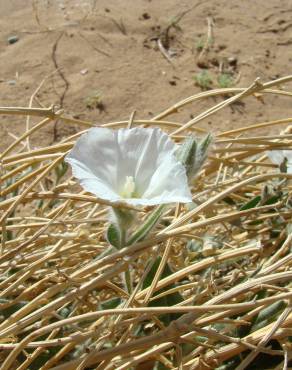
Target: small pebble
[[84, 71], [12, 39], [11, 82], [232, 61], [222, 47], [146, 16]]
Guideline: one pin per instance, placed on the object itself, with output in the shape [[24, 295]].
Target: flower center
[[129, 187]]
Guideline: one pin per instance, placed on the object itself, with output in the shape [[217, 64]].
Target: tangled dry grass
[[211, 284]]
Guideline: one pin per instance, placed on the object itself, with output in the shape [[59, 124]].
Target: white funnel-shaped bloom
[[136, 166]]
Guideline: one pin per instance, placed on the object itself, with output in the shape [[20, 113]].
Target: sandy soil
[[109, 49]]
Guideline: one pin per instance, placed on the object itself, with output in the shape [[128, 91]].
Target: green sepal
[[113, 236], [124, 218]]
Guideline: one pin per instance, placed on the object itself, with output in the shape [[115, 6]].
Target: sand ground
[[102, 59]]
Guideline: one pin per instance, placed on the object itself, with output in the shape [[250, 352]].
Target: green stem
[[120, 243], [127, 274], [123, 218]]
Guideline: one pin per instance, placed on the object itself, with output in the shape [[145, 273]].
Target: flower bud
[[193, 153]]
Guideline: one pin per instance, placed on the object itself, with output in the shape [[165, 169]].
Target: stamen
[[129, 187]]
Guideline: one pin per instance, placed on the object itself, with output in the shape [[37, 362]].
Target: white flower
[[283, 158], [136, 166]]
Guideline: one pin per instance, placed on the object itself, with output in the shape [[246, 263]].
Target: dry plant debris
[[211, 284]]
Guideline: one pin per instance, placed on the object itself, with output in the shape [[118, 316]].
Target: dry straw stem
[[227, 256]]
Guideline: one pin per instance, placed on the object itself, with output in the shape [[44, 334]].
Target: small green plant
[[94, 101], [204, 43], [200, 44], [203, 80], [225, 80]]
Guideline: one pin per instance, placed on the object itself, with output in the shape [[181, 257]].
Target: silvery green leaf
[[147, 226]]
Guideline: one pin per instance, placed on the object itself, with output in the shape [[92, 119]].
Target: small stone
[[202, 63], [221, 47], [215, 62], [11, 82], [84, 71], [232, 61], [146, 16], [12, 39]]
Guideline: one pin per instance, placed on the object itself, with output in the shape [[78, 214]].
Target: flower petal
[[93, 161], [276, 156], [142, 151], [169, 183], [160, 178], [104, 159]]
